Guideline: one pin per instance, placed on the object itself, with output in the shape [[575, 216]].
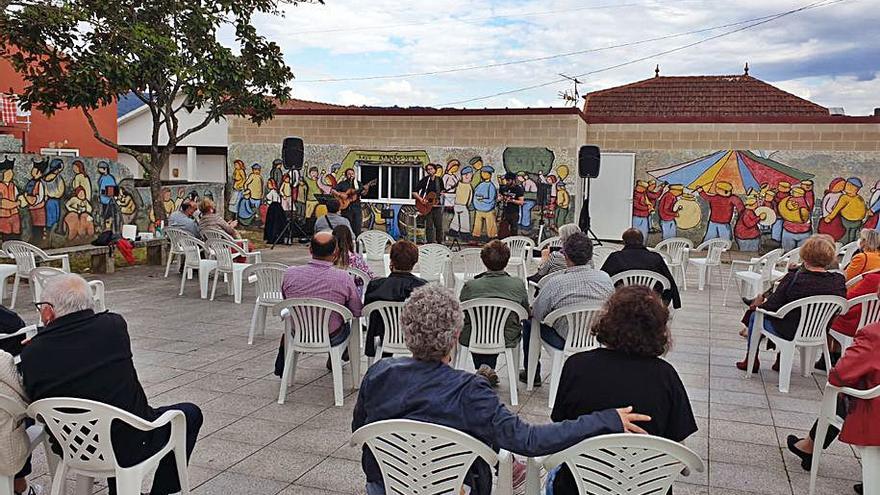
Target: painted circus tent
[[758, 199]]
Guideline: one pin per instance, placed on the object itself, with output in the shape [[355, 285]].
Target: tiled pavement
[[187, 349]]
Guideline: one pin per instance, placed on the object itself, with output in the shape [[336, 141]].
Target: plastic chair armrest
[[772, 313]]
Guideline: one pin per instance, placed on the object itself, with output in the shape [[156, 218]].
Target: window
[[394, 183], [59, 151]]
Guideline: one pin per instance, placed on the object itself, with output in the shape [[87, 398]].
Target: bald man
[[319, 279]]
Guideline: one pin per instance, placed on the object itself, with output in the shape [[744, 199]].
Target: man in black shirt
[[84, 355], [353, 212], [511, 195], [430, 183], [635, 256]]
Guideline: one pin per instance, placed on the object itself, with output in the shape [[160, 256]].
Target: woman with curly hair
[[627, 370]]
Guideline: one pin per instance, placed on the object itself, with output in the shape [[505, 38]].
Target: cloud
[[404, 93], [349, 97]]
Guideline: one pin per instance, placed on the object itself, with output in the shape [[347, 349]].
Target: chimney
[[877, 112]]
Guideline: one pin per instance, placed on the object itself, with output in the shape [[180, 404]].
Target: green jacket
[[502, 286]]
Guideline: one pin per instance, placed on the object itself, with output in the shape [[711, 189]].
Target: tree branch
[[204, 123], [100, 137]]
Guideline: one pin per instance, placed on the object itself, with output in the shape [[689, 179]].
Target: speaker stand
[[585, 210]]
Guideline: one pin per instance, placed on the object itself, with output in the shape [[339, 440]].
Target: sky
[[829, 53]]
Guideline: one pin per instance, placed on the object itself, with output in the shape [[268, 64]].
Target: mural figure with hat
[[10, 217], [54, 185], [832, 195], [851, 208], [450, 181], [484, 204], [653, 192], [252, 196], [531, 199], [464, 194], [276, 174], [746, 230], [667, 211], [783, 191], [107, 193], [874, 207], [722, 205], [795, 213], [238, 178], [641, 208], [78, 221], [35, 198], [511, 195]]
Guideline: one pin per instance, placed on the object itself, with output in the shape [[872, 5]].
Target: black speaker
[[588, 162], [292, 153]]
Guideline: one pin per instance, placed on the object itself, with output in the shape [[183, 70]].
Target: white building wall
[[136, 127]]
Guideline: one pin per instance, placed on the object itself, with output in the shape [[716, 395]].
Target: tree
[[85, 53]]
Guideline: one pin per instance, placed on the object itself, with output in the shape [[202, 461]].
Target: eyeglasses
[[39, 305]]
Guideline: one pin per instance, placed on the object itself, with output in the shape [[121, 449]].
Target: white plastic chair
[[424, 458], [41, 274], [36, 436], [468, 265], [600, 254], [554, 241], [192, 260], [828, 416], [641, 277], [26, 257], [758, 276], [677, 249], [224, 254], [792, 257], [816, 314], [533, 288], [6, 270], [870, 313], [268, 277], [847, 252], [580, 318], [307, 330], [174, 236], [520, 250], [621, 463], [372, 244], [392, 342], [434, 260], [82, 428], [713, 248], [488, 317], [212, 234]]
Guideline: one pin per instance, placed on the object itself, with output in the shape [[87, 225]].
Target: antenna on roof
[[746, 69], [657, 71], [571, 97]]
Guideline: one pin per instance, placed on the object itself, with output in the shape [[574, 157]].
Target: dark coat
[[860, 368], [395, 288], [640, 258]]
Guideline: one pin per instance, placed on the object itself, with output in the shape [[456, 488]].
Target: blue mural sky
[[828, 54]]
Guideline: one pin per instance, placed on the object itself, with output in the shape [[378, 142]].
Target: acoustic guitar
[[424, 206], [348, 197]]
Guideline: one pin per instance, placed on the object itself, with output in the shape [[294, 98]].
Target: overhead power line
[[814, 5]]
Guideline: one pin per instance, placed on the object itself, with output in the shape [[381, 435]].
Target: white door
[[612, 195]]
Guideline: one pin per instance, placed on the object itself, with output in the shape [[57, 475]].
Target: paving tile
[[277, 464], [754, 479], [316, 440], [255, 431], [720, 429], [738, 398], [289, 412], [335, 474], [220, 454], [751, 454], [241, 405], [743, 414], [226, 483]]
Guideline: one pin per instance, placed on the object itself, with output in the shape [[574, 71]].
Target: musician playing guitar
[[427, 192], [350, 190], [511, 196]]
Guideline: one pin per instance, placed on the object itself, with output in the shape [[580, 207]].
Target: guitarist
[[511, 196], [430, 183], [353, 212]]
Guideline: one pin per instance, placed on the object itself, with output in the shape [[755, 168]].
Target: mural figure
[[276, 174], [54, 187], [485, 195], [252, 196], [563, 203], [654, 190], [10, 217], [287, 193], [450, 182], [310, 182], [722, 205], [273, 196], [783, 191], [81, 178], [795, 213], [79, 220], [181, 195], [464, 195], [874, 207], [667, 210], [833, 192], [641, 208], [35, 199], [746, 230], [238, 178], [531, 199], [168, 204], [851, 208], [127, 206], [107, 193]]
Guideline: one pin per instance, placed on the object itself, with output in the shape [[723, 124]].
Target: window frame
[[383, 188], [70, 152]]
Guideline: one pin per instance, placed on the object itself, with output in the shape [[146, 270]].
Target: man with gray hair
[[426, 388], [87, 355]]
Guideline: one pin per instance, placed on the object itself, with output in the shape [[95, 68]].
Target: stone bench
[[157, 250], [102, 259]]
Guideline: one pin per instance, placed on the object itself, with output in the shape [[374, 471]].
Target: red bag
[[125, 248]]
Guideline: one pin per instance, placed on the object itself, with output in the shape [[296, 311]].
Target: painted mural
[[471, 179], [758, 199], [63, 201]]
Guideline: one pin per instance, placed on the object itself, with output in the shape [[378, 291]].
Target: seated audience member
[[497, 283], [426, 388], [848, 322], [319, 279], [183, 218], [15, 460], [346, 256], [87, 355], [858, 368], [636, 256], [628, 369], [10, 323], [868, 257], [577, 284], [552, 260], [810, 279], [332, 219], [210, 219], [395, 287]]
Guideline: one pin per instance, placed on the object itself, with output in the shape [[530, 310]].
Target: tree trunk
[[155, 170]]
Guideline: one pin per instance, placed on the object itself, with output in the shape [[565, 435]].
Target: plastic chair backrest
[[357, 273], [714, 248], [793, 257], [641, 277], [848, 252], [307, 322], [225, 253], [816, 314], [469, 262], [870, 309], [269, 279], [39, 276], [174, 236], [389, 311], [372, 244], [488, 316], [554, 241], [768, 263], [674, 247], [625, 463], [519, 245], [192, 251], [432, 260], [423, 458], [24, 254], [217, 234], [580, 319]]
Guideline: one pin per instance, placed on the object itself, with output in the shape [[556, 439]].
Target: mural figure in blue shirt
[[485, 195], [108, 189]]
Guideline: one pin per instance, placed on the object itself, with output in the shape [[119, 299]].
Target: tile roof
[[681, 98], [295, 104]]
